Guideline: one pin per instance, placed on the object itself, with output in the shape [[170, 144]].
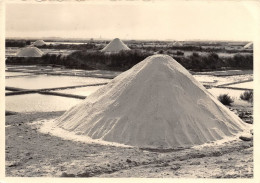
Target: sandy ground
[[30, 153]]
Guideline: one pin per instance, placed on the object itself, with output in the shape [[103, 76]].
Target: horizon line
[[107, 39]]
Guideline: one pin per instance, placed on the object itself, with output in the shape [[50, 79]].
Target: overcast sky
[[178, 20]]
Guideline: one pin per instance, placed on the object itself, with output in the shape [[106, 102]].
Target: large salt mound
[[116, 45], [157, 103], [29, 52]]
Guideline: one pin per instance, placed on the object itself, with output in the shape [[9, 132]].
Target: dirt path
[[33, 154]]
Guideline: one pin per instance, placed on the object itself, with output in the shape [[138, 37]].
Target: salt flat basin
[[83, 91], [248, 85], [39, 103], [20, 66], [210, 79], [46, 103], [16, 74], [12, 51], [226, 72], [220, 80], [50, 81]]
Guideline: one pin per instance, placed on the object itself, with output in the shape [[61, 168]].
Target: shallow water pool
[[248, 85], [39, 103], [49, 81], [16, 74], [220, 80]]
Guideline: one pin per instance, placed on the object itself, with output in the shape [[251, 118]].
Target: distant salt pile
[[157, 103], [29, 52], [249, 45], [39, 43], [116, 45], [177, 44]]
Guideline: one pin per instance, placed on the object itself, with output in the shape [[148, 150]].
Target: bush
[[160, 52], [180, 53], [247, 96], [195, 54], [213, 56], [225, 99], [16, 43], [240, 61]]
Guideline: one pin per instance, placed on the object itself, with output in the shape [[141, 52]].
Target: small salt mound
[[39, 43], [249, 45], [29, 52], [177, 44], [116, 45], [157, 103]]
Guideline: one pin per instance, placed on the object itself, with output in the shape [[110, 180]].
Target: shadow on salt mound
[[155, 104], [48, 127]]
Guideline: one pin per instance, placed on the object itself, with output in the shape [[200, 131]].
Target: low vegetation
[[23, 43], [17, 43], [87, 56], [216, 49], [225, 99], [212, 61], [124, 60], [247, 96], [87, 60], [87, 46]]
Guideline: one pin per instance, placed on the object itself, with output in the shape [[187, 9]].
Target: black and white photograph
[[129, 89]]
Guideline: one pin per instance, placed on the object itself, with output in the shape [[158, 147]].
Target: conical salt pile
[[157, 103], [29, 52], [177, 44], [39, 43], [116, 45], [249, 45]]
